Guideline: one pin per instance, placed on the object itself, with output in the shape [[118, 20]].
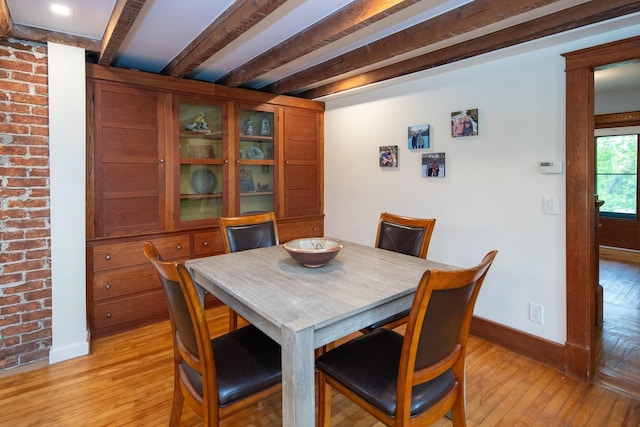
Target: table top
[[285, 293]]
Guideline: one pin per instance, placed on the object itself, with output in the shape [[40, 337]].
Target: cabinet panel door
[[128, 160], [302, 190], [303, 163]]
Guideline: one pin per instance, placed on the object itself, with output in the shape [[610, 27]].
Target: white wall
[[67, 136], [492, 195]]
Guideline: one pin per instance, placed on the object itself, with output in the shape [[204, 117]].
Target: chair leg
[[324, 402], [177, 404], [458, 414]]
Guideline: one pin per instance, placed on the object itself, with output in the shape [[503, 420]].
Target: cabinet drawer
[[123, 281], [299, 229], [138, 308], [205, 244], [129, 254]]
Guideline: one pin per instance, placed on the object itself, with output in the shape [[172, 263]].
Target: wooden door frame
[[581, 246]]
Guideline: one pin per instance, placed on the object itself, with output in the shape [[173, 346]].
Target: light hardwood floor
[[619, 352], [127, 380]]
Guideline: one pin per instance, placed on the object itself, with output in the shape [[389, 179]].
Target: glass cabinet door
[[201, 161], [256, 161]]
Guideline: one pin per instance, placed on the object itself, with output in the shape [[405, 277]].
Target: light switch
[[551, 205]]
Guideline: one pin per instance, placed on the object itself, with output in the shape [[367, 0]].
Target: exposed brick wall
[[25, 234]]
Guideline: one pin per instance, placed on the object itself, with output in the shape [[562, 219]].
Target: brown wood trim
[[155, 81], [629, 118], [627, 255], [580, 348], [539, 349], [580, 244], [598, 56]]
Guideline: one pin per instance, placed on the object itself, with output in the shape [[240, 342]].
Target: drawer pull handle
[[205, 244], [108, 257], [107, 286], [316, 228], [108, 315], [179, 247]]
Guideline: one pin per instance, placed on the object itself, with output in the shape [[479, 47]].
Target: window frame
[[603, 210]]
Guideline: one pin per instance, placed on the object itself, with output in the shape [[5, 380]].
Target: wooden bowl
[[313, 251]]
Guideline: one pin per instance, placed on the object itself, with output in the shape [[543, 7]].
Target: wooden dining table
[[305, 308]]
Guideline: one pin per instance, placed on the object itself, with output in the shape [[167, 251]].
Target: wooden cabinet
[[125, 289], [127, 191], [166, 158]]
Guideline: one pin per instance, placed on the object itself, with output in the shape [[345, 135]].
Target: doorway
[[617, 130], [582, 256]]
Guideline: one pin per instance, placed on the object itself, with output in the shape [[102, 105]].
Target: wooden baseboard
[[620, 254], [544, 351]]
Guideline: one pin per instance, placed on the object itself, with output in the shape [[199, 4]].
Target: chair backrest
[[403, 234], [249, 232], [438, 328], [192, 349]]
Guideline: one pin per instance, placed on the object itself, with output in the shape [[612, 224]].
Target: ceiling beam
[[122, 18], [565, 20], [235, 21], [353, 17], [456, 22], [25, 32]]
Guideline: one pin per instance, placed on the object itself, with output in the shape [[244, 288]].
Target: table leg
[[298, 388]]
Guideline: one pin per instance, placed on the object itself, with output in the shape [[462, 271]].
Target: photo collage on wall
[[464, 123]]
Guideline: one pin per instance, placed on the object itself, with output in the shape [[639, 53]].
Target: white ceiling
[[164, 27]]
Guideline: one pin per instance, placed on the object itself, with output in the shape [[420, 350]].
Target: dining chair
[[220, 376], [407, 235], [246, 232], [254, 231], [415, 378]]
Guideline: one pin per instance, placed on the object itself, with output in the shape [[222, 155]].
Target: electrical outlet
[[536, 313]]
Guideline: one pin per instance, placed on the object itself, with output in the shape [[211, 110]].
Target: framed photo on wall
[[418, 137], [464, 123], [433, 165], [388, 156]]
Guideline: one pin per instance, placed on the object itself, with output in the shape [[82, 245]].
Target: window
[[617, 175]]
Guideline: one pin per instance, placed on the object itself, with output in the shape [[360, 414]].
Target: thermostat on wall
[[551, 167]]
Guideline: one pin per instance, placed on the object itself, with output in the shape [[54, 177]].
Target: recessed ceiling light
[[60, 9]]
